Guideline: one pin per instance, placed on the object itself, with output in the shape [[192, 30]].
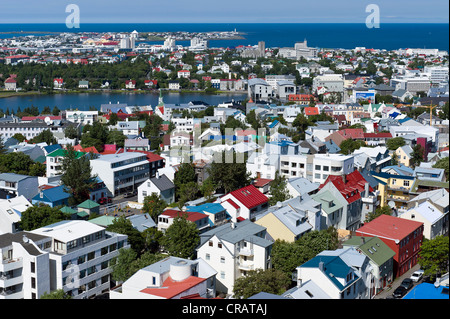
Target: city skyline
[[233, 11]]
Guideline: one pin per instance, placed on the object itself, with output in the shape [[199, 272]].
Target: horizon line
[[223, 23]]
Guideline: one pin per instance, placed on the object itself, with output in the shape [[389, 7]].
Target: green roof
[[82, 214], [104, 220], [373, 247], [68, 210], [88, 204], [63, 153], [427, 183], [324, 198]]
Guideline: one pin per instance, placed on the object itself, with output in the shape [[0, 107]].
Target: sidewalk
[[388, 291]]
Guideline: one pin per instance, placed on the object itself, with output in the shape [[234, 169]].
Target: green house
[[89, 206]]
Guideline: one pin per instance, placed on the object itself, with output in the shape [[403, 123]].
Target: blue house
[[217, 214], [52, 197]]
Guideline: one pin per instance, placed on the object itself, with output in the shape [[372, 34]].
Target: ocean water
[[389, 36]]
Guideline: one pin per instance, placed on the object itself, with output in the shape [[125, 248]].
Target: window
[[222, 259], [406, 183], [91, 255], [317, 167], [33, 267], [210, 243], [208, 257], [219, 245]]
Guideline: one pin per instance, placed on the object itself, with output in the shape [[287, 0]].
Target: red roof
[[311, 111], [31, 118], [151, 157], [171, 288], [249, 196], [79, 148], [377, 135], [190, 216], [230, 201], [260, 182], [354, 133], [389, 227], [352, 188], [10, 80]]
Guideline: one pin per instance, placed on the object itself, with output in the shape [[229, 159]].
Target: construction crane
[[431, 107]]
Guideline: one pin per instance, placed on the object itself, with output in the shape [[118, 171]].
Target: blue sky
[[224, 11]]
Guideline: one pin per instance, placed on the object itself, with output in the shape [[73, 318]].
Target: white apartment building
[[24, 265], [80, 253], [122, 172], [316, 168], [413, 83], [233, 249], [273, 79], [259, 89], [438, 74], [83, 117], [12, 185], [183, 124], [332, 82]]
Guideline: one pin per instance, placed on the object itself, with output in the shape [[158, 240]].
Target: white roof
[[68, 230], [428, 211]]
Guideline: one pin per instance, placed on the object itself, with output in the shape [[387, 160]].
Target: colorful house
[[403, 236], [54, 196]]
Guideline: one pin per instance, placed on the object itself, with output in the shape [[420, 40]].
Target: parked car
[[399, 292], [130, 194], [417, 275], [104, 200], [407, 283]]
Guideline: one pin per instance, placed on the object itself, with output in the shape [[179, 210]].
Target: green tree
[[381, 210], [394, 143], [349, 146], [71, 132], [19, 163], [124, 226], [184, 175], [154, 205], [56, 294], [443, 163], [39, 216], [181, 238], [121, 265], [228, 176], [278, 190], [270, 280], [434, 255], [19, 137], [417, 155], [394, 159], [45, 136], [76, 175], [187, 192], [152, 237]]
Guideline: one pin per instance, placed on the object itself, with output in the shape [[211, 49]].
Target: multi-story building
[[54, 161], [438, 74], [122, 172], [234, 249], [332, 82], [11, 213], [83, 117], [24, 266], [80, 253], [403, 236], [259, 89], [12, 185], [31, 129], [316, 168]]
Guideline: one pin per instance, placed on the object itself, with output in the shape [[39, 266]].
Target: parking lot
[[388, 291]]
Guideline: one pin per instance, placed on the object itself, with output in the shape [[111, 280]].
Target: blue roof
[[212, 208], [52, 195], [400, 169], [334, 267], [271, 125], [426, 290], [387, 175], [51, 148], [404, 120], [332, 147]]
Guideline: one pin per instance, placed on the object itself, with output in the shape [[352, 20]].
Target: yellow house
[[404, 155], [394, 188], [286, 223]]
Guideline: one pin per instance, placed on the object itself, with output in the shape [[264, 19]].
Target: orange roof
[[171, 288], [79, 148], [311, 111]]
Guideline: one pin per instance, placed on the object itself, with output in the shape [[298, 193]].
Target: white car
[[417, 275]]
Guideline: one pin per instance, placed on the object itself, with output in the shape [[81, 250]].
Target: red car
[[104, 200]]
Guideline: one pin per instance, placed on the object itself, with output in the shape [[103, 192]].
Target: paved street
[[389, 291]]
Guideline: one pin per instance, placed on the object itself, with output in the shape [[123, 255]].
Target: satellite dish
[[391, 204], [47, 120]]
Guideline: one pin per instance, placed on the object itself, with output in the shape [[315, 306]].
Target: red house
[[245, 203], [403, 236]]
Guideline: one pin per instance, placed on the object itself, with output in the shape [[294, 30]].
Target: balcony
[[397, 199], [8, 264], [246, 252], [246, 266]]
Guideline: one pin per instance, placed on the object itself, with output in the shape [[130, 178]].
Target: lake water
[[83, 101]]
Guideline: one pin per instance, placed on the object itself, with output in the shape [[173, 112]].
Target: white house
[[245, 203], [184, 74], [233, 249], [83, 117], [161, 185], [170, 278], [10, 213], [435, 223]]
